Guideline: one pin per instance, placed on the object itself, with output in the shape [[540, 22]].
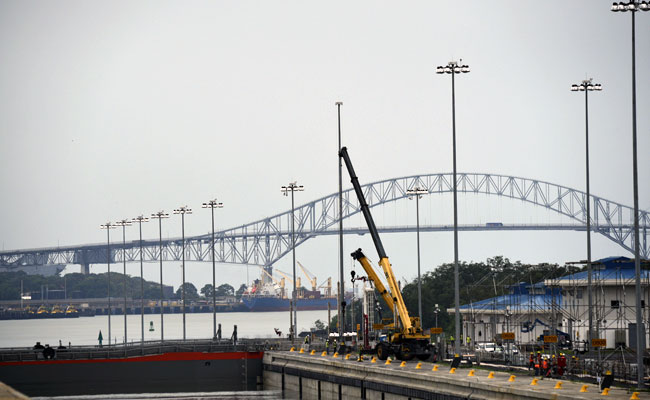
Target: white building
[[530, 311]]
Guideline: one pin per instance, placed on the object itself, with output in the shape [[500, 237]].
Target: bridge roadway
[[325, 377]]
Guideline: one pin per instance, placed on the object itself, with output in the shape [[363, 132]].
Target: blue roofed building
[[531, 310], [613, 301], [526, 311]]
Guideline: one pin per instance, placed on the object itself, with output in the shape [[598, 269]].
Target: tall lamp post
[[634, 6], [588, 86], [341, 300], [160, 215], [417, 193], [140, 219], [108, 226], [182, 211], [293, 187], [454, 68], [212, 204], [124, 223]]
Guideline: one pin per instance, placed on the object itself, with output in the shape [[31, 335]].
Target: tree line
[[477, 281], [77, 285]]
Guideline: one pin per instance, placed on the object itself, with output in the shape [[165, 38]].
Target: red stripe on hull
[[184, 356]]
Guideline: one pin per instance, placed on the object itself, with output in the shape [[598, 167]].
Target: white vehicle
[[487, 347]]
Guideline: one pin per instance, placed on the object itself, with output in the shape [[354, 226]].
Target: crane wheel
[[382, 352]]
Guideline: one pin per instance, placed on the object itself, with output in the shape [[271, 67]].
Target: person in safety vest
[[531, 361]]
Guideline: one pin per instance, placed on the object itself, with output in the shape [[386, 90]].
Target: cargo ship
[[269, 294]]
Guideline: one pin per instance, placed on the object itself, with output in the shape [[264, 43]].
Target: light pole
[[454, 68], [293, 187], [417, 193], [212, 204], [108, 226], [633, 7], [436, 310], [140, 219], [182, 211], [124, 223], [160, 215], [588, 86], [341, 300]]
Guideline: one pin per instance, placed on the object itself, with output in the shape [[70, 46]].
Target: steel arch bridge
[[265, 241]]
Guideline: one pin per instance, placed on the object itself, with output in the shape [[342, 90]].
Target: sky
[[109, 110]]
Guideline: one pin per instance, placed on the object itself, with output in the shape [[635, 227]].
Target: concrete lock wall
[[301, 376]]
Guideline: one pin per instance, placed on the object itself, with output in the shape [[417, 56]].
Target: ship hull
[[163, 373]]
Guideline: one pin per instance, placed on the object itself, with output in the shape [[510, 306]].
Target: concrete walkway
[[477, 383]]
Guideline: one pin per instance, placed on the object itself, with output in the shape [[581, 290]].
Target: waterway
[[85, 330]]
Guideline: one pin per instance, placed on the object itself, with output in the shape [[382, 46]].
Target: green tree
[[241, 290], [190, 292], [225, 290], [206, 290], [320, 325]]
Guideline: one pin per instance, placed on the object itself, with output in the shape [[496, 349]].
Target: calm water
[[85, 330]]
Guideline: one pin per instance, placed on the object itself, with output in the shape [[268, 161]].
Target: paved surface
[[499, 383], [6, 392]]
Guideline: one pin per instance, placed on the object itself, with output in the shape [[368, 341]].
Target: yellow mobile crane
[[405, 339], [289, 278]]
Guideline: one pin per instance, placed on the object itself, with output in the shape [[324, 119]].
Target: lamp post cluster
[[452, 68], [587, 86], [182, 211], [160, 215], [291, 188], [632, 7]]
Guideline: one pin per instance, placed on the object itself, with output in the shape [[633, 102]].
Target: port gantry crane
[[310, 277], [405, 337]]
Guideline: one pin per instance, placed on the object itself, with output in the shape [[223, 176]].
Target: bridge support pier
[[85, 269]]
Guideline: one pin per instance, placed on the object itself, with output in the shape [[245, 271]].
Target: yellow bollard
[[323, 354], [360, 358], [403, 364], [302, 351], [512, 378], [336, 355], [584, 388], [471, 372], [373, 359], [491, 375], [418, 366], [347, 356], [452, 371], [435, 367], [635, 396], [534, 382], [558, 385], [387, 361], [605, 392], [311, 353], [293, 349]]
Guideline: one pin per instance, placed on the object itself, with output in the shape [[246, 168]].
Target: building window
[[615, 304], [642, 303], [579, 294]]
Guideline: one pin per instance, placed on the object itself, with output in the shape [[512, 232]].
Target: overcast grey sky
[[113, 109]]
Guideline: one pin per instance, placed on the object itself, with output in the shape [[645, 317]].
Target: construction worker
[[561, 364], [545, 366], [531, 361], [327, 345], [469, 341], [451, 339], [538, 364]]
